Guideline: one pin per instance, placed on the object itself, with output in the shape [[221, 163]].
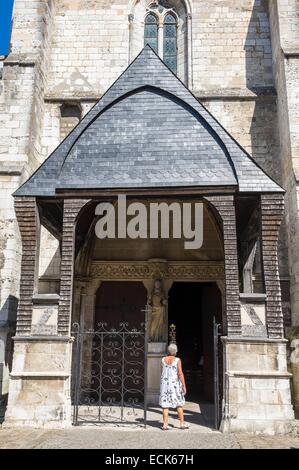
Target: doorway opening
[[120, 301], [192, 307]]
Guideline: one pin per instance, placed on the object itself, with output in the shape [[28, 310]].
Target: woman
[[173, 387]]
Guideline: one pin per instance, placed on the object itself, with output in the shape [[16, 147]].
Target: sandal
[[184, 426], [165, 428]]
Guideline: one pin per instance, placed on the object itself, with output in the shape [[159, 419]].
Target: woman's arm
[[181, 376]]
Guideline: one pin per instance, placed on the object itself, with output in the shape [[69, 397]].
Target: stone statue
[[158, 303]]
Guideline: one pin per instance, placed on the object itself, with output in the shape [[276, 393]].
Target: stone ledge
[[205, 95], [45, 299], [42, 375], [253, 297], [73, 97], [269, 375], [21, 59], [290, 52], [25, 339], [247, 339], [11, 171], [235, 93]]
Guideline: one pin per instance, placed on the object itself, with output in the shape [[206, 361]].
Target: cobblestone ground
[[112, 438], [201, 434]]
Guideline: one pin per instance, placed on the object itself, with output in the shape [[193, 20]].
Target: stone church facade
[[70, 65]]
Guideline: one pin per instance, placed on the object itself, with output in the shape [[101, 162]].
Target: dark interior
[[192, 306], [121, 301]]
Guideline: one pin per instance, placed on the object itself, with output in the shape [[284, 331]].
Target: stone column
[[272, 212], [89, 324], [160, 39], [257, 386], [39, 380], [131, 26], [28, 220], [225, 207], [257, 383], [189, 51], [272, 206], [156, 349], [71, 210], [39, 394]]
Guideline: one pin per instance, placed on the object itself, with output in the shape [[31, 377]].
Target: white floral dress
[[171, 389]]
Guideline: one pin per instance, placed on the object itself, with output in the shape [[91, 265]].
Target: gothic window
[[166, 26], [170, 42], [151, 31], [160, 32]]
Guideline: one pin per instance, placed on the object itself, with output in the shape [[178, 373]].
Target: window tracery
[[160, 32], [166, 26]]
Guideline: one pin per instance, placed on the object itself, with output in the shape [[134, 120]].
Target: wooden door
[[120, 301]]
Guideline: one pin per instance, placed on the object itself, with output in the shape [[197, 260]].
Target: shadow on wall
[[8, 312], [8, 315], [259, 79], [49, 280], [264, 126], [3, 397]]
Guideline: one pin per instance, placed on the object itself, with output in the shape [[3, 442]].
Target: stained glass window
[[151, 32], [170, 42]]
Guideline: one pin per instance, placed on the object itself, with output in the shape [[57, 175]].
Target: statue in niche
[[158, 304]]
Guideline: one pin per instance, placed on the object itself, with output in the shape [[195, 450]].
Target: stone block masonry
[[257, 387], [285, 44], [243, 63], [40, 383]]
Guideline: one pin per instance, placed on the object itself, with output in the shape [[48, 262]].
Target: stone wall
[[253, 123], [40, 384], [81, 65], [21, 115], [231, 45], [285, 40], [256, 386], [71, 51], [284, 18]]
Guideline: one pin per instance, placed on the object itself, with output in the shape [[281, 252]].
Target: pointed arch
[[133, 3], [151, 31]]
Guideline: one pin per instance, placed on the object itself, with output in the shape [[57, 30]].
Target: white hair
[[172, 349]]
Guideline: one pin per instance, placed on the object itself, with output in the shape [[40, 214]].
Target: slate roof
[[148, 130]]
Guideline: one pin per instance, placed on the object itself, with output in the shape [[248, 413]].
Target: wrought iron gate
[[109, 375], [217, 369]]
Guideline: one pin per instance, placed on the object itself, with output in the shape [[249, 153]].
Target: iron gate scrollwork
[[110, 374]]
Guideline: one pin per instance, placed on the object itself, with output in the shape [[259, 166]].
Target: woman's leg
[[165, 417], [180, 412]]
